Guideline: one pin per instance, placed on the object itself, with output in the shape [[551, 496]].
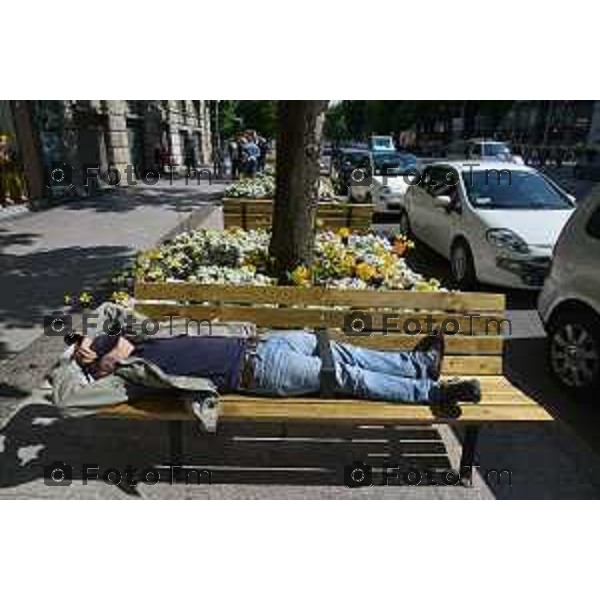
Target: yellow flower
[[301, 276], [67, 299], [120, 298], [343, 232], [85, 298], [320, 223], [365, 271], [348, 261]]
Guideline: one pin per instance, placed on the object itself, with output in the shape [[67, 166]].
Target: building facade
[[108, 133], [555, 123]]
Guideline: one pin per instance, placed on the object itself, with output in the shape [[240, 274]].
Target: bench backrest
[[256, 214], [391, 317]]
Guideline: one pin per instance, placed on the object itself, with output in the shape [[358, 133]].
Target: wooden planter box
[[251, 213]]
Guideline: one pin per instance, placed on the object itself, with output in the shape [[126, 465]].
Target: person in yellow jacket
[[12, 185]]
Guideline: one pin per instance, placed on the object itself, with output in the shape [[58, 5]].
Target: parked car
[[495, 225], [388, 183], [484, 150], [569, 304], [382, 143], [346, 162]]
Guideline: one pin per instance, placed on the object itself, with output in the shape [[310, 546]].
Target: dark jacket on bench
[[77, 395]]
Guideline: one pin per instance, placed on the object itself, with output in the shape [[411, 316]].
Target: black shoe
[[434, 345], [460, 390]]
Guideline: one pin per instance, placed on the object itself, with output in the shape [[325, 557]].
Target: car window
[[442, 181], [495, 149], [512, 189], [593, 226]]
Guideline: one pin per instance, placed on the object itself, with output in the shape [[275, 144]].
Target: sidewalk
[[45, 254]]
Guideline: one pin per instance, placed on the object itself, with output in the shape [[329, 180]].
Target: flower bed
[[259, 187], [234, 256], [262, 187]]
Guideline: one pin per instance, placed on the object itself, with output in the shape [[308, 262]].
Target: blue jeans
[[287, 364]]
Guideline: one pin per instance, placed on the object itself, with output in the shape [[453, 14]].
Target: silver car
[[569, 304]]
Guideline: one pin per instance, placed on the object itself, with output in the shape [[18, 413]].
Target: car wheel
[[404, 224], [463, 266], [574, 350]]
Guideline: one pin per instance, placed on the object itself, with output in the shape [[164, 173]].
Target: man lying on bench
[[285, 364]]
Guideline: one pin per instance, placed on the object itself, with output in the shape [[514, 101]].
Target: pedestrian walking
[[12, 184], [234, 157], [263, 147], [251, 156]]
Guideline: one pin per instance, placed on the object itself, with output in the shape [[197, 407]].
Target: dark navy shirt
[[220, 359]]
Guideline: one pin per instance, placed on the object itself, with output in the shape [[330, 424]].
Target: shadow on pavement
[[241, 453], [269, 454], [39, 280], [179, 197]]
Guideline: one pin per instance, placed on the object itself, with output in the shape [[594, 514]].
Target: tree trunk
[[300, 124]]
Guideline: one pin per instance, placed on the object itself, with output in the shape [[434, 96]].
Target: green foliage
[[260, 115], [336, 128], [228, 118], [361, 118]]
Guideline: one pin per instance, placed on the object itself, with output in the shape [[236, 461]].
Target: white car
[[496, 223], [483, 150], [392, 173], [384, 191], [569, 304]]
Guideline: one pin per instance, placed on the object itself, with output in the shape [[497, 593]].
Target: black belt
[[247, 374], [327, 377], [328, 382]]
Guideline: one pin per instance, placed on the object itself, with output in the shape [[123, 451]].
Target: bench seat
[[501, 402]]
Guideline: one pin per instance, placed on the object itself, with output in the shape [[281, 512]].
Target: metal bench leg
[[467, 458]]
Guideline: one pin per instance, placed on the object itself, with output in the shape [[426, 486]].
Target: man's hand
[[107, 364], [84, 354]]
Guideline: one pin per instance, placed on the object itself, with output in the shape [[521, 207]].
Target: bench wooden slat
[[474, 366], [286, 318], [480, 345], [464, 302], [360, 412]]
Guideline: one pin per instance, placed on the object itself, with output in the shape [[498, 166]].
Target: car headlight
[[507, 240]]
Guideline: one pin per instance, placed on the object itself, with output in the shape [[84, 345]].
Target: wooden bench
[[475, 351], [257, 214]]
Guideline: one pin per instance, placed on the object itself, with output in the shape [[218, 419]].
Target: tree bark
[[300, 125]]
